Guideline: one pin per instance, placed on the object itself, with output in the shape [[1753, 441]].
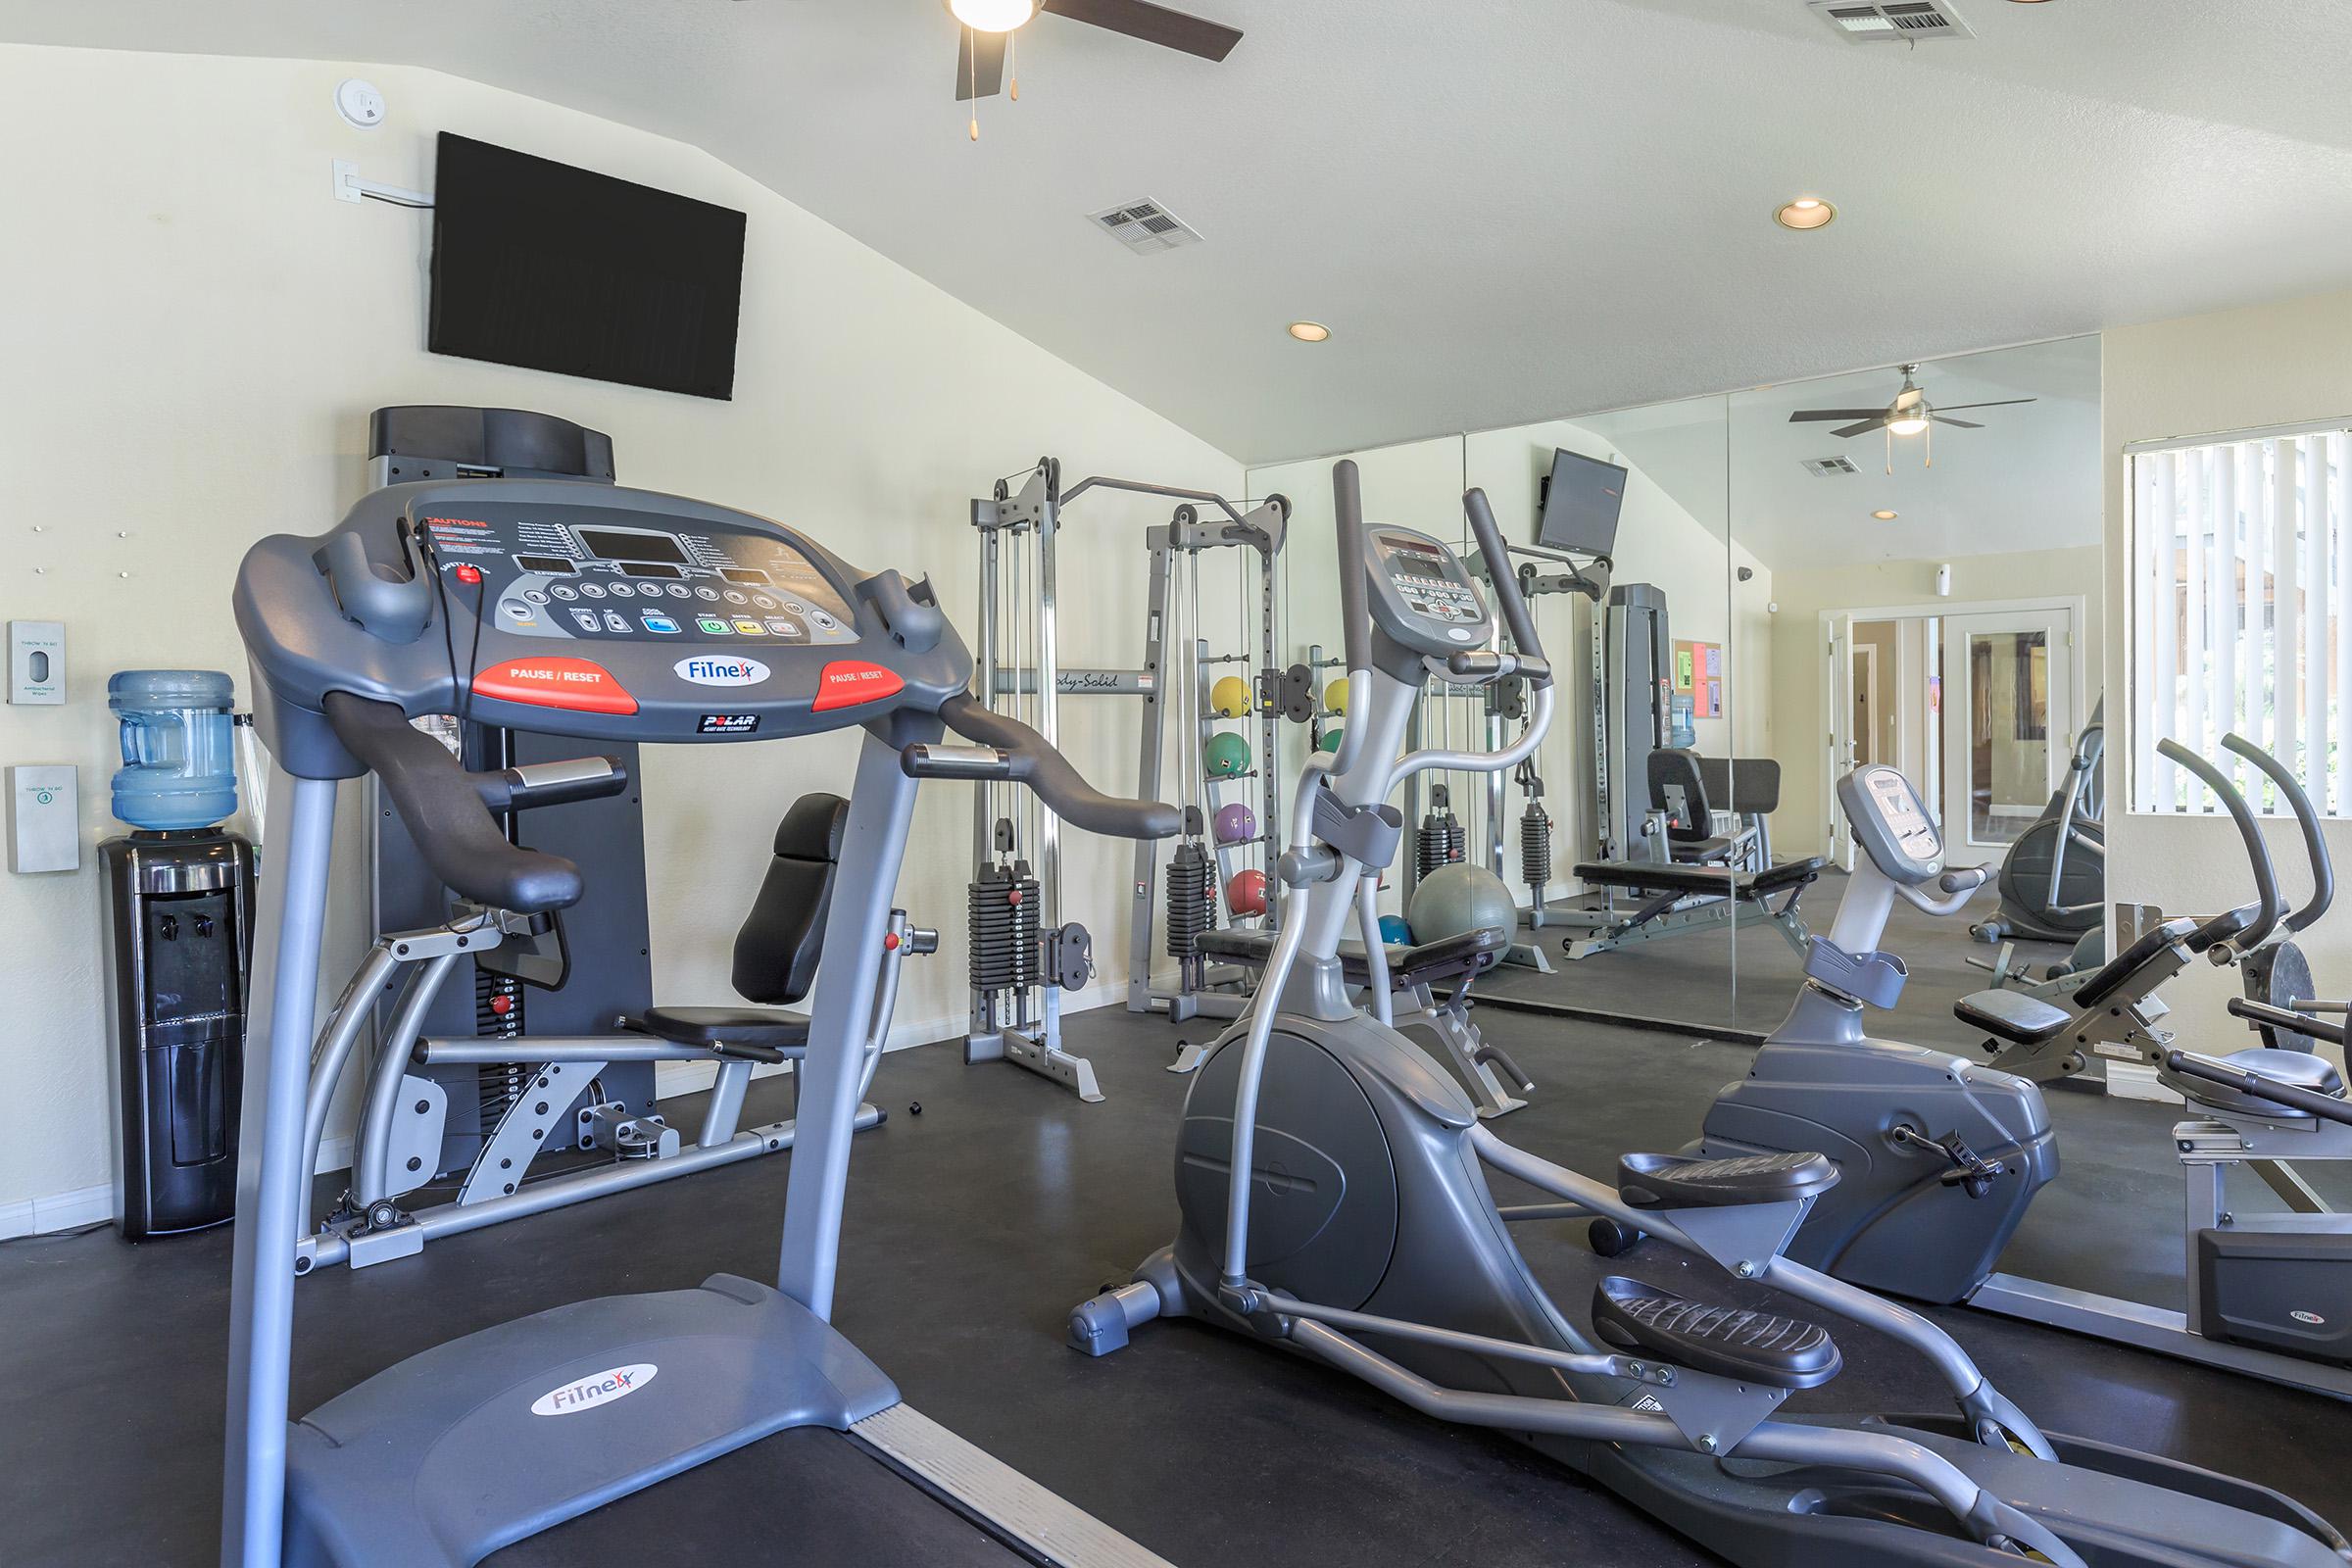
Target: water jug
[[178, 747]]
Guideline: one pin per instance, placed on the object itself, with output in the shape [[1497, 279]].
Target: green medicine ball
[[1226, 756], [1330, 741]]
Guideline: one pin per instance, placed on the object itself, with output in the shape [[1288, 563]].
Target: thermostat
[[36, 660]]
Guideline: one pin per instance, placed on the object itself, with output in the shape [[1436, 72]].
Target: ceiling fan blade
[[1877, 422], [1966, 424], [991, 63], [2003, 404], [1140, 19], [1817, 415]]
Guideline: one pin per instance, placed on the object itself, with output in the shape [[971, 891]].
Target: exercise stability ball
[[1225, 757], [1236, 823], [1229, 697], [1245, 893], [1454, 899]]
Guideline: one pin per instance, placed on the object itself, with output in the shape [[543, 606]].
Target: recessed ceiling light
[[1309, 331], [993, 16], [1884, 517], [1806, 211]]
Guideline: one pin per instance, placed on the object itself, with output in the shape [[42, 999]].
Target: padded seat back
[[1748, 785], [1679, 788], [776, 952]]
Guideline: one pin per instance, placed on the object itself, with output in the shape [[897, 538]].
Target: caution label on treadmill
[[847, 682], [581, 684]]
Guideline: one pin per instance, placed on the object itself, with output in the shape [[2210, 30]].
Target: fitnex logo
[[601, 1388], [717, 669]]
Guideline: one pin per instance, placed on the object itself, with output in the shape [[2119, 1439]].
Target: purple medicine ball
[[1235, 823]]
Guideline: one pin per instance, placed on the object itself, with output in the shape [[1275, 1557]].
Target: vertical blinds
[[2241, 575]]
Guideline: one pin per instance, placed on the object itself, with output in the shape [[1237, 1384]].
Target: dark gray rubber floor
[[971, 1230]]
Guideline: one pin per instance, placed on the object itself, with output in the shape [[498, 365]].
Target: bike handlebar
[[2265, 874], [2314, 844], [1026, 759], [1507, 598]]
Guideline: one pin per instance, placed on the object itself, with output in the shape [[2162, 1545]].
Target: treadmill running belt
[[808, 1495]]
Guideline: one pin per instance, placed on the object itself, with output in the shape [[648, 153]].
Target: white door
[[2008, 724], [1839, 758]]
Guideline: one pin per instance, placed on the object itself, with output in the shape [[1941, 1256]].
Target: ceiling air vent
[[1144, 227], [1829, 467], [1890, 20]]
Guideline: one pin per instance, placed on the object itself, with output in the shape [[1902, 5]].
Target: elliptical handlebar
[[1505, 583], [2258, 853], [2315, 843]]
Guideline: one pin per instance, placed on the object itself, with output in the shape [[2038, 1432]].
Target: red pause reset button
[[847, 682], [581, 684], [469, 575]]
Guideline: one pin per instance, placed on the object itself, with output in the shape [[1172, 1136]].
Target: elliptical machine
[[1366, 1236], [2053, 881]]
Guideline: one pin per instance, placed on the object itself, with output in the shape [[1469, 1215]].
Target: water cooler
[[179, 900]]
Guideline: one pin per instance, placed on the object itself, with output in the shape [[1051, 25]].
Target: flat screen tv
[[552, 267], [1581, 501]]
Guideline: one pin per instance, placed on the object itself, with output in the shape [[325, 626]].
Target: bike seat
[[1678, 1181], [1730, 1342], [760, 1033], [2298, 1069], [2011, 1015]]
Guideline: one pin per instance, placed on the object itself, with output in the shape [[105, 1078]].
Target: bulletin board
[[1698, 677]]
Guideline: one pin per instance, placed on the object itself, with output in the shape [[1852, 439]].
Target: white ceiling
[[2027, 480], [1506, 211]]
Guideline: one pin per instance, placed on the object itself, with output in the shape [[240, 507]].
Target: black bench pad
[[1719, 881], [2011, 1015], [2110, 976], [761, 1028], [1731, 1342], [1677, 1181], [1464, 956]]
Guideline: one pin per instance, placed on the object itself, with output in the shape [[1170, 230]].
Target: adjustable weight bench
[[1414, 972], [1677, 897]]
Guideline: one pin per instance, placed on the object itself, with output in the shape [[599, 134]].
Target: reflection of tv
[[1580, 504]]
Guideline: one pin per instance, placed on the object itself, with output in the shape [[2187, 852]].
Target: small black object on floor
[[970, 1233]]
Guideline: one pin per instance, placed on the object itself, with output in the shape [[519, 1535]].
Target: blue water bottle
[[178, 747]]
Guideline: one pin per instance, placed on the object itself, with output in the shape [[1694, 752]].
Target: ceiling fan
[[989, 26], [1910, 413]]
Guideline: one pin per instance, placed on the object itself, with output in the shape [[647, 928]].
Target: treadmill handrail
[[2258, 853], [2315, 843]]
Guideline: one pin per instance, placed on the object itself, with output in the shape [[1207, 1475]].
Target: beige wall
[[195, 334], [1800, 646], [2240, 370]]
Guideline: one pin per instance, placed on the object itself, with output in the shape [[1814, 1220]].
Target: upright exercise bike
[[1366, 1236]]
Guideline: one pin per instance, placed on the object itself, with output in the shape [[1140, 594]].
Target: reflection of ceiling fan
[[989, 25], [1910, 413]]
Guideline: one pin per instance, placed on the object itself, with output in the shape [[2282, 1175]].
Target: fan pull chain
[[971, 52], [1931, 434], [1012, 65]]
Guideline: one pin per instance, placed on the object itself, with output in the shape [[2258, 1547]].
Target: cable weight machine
[[1023, 956]]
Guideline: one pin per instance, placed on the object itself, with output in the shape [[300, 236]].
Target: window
[[2241, 573]]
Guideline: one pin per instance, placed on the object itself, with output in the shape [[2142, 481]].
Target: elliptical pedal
[[1731, 1342]]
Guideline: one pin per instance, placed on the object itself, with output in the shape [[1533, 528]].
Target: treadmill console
[[1891, 824], [589, 573], [1422, 594]]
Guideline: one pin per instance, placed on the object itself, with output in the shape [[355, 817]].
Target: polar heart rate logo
[[712, 669], [601, 1387]]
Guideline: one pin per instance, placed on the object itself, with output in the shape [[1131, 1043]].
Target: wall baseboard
[[59, 1211]]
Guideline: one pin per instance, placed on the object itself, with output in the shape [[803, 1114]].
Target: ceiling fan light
[[993, 16], [1805, 213], [1908, 424]]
